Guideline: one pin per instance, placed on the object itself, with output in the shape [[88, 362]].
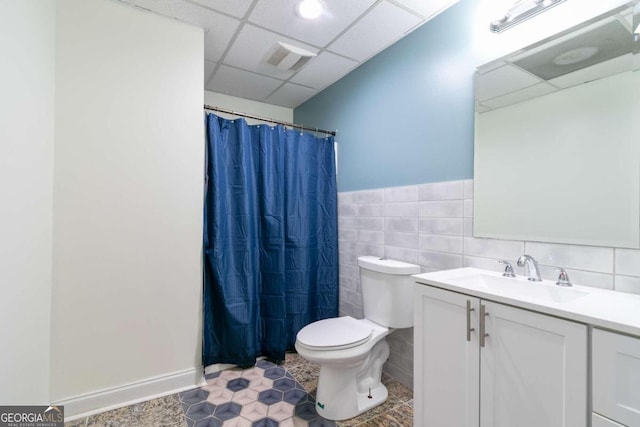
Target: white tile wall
[[589, 258], [401, 194], [372, 196], [628, 284], [431, 225], [627, 262], [450, 190]]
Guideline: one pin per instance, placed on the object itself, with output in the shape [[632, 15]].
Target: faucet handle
[[563, 278], [508, 268]]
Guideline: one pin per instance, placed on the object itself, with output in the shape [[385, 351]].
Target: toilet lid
[[335, 333]]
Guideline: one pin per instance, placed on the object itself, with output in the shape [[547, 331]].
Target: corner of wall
[[27, 84]]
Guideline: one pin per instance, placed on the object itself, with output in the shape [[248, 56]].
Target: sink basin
[[521, 288]]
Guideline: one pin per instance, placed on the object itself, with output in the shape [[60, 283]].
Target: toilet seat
[[335, 334]]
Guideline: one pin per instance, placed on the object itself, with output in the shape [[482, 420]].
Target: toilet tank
[[387, 291]]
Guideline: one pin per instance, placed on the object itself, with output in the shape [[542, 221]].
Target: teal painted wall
[[405, 116]]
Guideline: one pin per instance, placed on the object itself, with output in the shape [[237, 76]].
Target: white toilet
[[351, 351]]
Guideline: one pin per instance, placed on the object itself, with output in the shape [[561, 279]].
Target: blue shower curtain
[[270, 239]]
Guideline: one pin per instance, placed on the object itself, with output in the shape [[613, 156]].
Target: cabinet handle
[[483, 314], [469, 328]]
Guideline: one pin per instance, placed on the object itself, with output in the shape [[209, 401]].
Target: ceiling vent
[[288, 58], [601, 43]]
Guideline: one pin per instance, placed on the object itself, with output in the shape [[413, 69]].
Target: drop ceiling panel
[[186, 12], [219, 28], [323, 70], [164, 7], [208, 69], [427, 9], [598, 71], [360, 28], [291, 95], [218, 37], [243, 84], [593, 47], [251, 47], [236, 8], [503, 80], [381, 27], [483, 69], [280, 16], [520, 95]]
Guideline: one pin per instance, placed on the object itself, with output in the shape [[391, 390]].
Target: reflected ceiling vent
[[288, 58], [600, 44]]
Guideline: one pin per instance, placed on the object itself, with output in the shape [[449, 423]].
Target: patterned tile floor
[[266, 395]]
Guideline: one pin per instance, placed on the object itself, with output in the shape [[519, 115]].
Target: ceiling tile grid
[[240, 34], [280, 16], [324, 70], [384, 25], [249, 49], [237, 8], [427, 9], [218, 37], [244, 84], [290, 94], [209, 66]]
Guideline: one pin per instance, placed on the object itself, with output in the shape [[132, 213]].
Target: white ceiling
[[239, 33]]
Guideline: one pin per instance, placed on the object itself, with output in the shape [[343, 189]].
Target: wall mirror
[[557, 137]]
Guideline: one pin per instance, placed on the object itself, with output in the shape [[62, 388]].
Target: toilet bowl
[[351, 352]]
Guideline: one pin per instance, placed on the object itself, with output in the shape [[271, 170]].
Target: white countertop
[[602, 308]]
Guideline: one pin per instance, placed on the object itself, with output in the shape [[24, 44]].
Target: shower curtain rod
[[279, 122]]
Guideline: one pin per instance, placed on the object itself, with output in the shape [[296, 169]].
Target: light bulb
[[310, 9]]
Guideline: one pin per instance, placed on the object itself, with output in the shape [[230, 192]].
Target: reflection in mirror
[[557, 152], [636, 34]]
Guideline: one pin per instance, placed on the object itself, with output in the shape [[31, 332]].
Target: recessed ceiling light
[[310, 9]]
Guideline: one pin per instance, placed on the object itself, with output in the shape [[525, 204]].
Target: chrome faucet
[[531, 267], [508, 268], [563, 278]]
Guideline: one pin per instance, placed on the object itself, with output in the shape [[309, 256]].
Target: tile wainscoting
[[431, 225]]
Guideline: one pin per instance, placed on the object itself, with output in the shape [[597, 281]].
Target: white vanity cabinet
[[529, 369], [446, 369], [533, 369], [616, 379]]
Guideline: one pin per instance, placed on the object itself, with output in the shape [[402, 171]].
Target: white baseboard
[[116, 397], [216, 367]]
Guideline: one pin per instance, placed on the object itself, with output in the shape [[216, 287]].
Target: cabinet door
[[446, 381], [616, 376], [533, 370]]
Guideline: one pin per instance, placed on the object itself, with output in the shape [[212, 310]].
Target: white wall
[[27, 46], [128, 194], [248, 106]]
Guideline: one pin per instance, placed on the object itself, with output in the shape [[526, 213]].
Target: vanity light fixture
[[521, 11], [310, 9]]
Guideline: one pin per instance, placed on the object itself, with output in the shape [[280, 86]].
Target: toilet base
[[347, 391], [378, 397]]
